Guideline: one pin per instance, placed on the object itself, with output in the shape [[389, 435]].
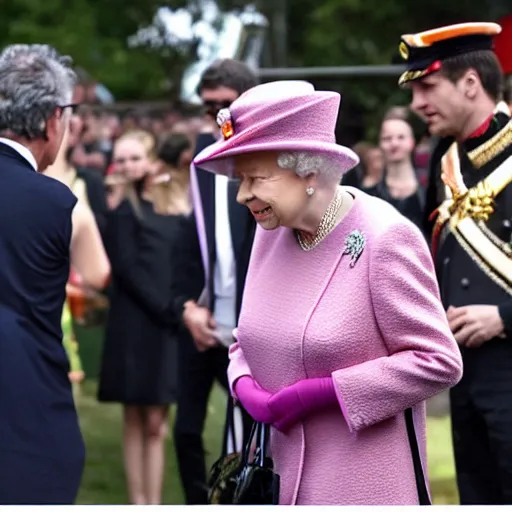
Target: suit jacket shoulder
[[34, 203]]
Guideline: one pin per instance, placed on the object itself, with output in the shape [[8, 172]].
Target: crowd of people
[[329, 290]]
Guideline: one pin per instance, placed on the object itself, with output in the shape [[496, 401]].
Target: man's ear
[[470, 83], [51, 125]]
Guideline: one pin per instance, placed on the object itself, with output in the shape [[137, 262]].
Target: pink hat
[[278, 116]]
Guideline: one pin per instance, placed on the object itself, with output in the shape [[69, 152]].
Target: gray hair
[[34, 81], [305, 164]]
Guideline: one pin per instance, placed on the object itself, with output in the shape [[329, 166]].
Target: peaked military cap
[[424, 52]]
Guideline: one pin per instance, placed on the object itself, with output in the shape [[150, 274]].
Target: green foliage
[[103, 481], [94, 33], [320, 33], [367, 32]]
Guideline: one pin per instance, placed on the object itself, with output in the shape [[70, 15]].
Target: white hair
[[305, 164], [34, 80]]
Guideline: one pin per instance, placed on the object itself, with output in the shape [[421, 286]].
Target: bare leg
[[154, 455], [133, 437]]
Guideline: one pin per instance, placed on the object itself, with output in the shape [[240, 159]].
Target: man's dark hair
[[228, 73], [171, 146], [507, 95], [485, 63]]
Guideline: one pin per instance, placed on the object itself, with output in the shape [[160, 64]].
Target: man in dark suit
[[210, 304], [41, 448]]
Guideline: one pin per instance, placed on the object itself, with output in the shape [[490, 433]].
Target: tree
[[359, 32], [318, 33], [94, 33]]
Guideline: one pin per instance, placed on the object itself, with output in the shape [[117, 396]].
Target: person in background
[[208, 301], [171, 183], [87, 184], [86, 152], [421, 159], [157, 126], [139, 361], [456, 83], [369, 173], [400, 186], [422, 151], [42, 453], [90, 268]]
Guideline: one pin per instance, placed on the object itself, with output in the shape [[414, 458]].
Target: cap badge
[[404, 51]]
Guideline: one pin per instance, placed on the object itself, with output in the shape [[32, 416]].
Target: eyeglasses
[[212, 108], [73, 106]]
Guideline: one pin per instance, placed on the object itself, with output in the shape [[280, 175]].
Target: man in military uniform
[[456, 83]]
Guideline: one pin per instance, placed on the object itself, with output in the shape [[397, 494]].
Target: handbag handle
[[262, 446], [247, 450], [259, 431], [230, 424]]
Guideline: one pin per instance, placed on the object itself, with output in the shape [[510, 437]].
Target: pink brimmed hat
[[278, 116]]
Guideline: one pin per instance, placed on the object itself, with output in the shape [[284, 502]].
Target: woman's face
[[374, 163], [276, 197], [396, 140], [131, 159]]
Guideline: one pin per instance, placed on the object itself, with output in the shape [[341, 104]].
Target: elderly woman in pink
[[342, 336]]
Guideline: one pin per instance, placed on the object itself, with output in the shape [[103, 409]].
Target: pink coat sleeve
[[238, 366], [423, 357]]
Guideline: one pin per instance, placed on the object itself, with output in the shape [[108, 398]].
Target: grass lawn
[[103, 480], [440, 462]]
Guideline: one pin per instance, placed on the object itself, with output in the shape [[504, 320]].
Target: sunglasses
[[212, 108], [73, 106]]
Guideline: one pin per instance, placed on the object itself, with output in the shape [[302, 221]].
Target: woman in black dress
[[400, 185], [139, 357]]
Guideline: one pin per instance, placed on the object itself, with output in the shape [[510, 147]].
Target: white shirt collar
[[22, 150]]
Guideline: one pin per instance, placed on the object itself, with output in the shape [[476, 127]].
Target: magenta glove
[[297, 401], [254, 399]]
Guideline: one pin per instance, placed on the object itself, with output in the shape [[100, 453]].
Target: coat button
[[464, 282], [507, 224], [446, 261]]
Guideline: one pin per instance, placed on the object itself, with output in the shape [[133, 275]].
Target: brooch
[[354, 245], [225, 122]]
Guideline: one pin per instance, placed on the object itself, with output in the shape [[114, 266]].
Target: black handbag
[[236, 479], [257, 484], [222, 480]]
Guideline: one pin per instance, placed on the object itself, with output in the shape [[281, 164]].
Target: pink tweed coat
[[378, 328]]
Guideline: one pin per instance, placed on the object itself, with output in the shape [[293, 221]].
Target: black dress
[[412, 207], [139, 364]]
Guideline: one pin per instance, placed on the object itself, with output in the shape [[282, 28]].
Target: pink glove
[[254, 399], [297, 401]]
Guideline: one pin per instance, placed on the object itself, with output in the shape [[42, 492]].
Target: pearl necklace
[[327, 224]]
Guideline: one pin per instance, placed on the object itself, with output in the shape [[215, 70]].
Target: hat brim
[[221, 161]]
